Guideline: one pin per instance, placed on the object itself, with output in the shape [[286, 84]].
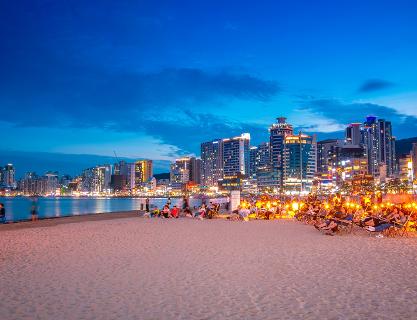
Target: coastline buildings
[[48, 184], [185, 170], [260, 157], [97, 179], [380, 146], [211, 162], [143, 173], [298, 163], [8, 176], [277, 134], [288, 163], [225, 161]]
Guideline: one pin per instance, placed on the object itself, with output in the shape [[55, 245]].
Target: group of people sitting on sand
[[202, 212], [383, 220]]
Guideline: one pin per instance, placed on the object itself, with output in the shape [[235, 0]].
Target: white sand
[[138, 268]]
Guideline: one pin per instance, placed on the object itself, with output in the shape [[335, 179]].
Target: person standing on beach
[[147, 204], [34, 210], [169, 202], [2, 213], [184, 203]]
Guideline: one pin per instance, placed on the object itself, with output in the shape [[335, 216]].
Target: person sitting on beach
[[330, 226], [395, 219], [2, 213], [188, 212], [374, 221], [244, 214], [165, 212], [175, 212], [201, 212]]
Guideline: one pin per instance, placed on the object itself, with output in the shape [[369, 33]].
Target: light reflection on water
[[18, 208]]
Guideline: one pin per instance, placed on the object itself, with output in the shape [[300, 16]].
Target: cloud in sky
[[374, 85], [90, 97]]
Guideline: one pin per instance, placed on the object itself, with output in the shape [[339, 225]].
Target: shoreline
[[55, 221]]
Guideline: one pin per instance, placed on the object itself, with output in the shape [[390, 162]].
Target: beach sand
[[138, 268]]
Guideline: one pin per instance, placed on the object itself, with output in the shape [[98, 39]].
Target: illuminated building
[[185, 170], [236, 156], [405, 166], [380, 145], [8, 176], [97, 179], [353, 134], [277, 133], [211, 162], [143, 172], [328, 153], [298, 163], [260, 157], [51, 183], [414, 159]]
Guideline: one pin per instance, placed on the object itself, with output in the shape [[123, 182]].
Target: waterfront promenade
[[122, 266]]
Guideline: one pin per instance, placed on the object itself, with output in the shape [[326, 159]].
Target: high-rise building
[[353, 134], [328, 152], [277, 133], [211, 162], [259, 158], [143, 172], [195, 170], [185, 170], [298, 163], [97, 179], [51, 183], [405, 172], [236, 156], [180, 171], [8, 176], [253, 156], [379, 143], [414, 160]]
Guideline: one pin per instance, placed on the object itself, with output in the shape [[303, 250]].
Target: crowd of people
[[335, 214], [330, 215], [205, 211]]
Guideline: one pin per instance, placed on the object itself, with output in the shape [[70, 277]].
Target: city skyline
[[77, 163], [156, 78], [288, 162]]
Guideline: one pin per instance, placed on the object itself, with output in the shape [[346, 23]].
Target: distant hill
[[159, 176], [404, 146]]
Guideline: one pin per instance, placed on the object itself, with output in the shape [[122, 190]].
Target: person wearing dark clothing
[[184, 203], [2, 213], [34, 210], [147, 204]]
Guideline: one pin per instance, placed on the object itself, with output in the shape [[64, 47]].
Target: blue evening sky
[[154, 79]]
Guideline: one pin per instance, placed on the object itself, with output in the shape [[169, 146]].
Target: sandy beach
[[138, 268]]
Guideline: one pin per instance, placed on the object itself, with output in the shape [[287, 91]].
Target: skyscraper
[[8, 176], [143, 172], [328, 153], [211, 162], [185, 170], [260, 157], [353, 134], [97, 179], [236, 156], [277, 133], [414, 159], [298, 163], [379, 144]]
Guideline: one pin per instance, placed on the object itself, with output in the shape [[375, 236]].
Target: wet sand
[[138, 268]]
